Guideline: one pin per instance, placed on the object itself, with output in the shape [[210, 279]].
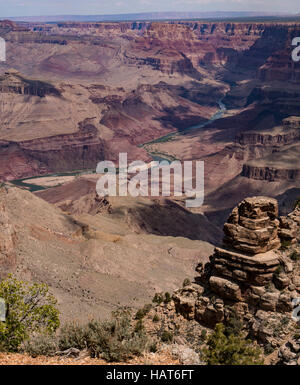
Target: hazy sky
[[90, 7]]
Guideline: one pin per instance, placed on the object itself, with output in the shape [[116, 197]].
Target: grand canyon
[[75, 93]]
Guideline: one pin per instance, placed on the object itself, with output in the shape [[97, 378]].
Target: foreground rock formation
[[255, 275]]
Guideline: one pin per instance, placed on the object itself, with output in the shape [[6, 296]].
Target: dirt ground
[[24, 359]]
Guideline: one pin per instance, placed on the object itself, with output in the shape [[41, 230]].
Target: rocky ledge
[[13, 82]]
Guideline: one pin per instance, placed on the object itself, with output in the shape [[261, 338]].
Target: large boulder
[[253, 226], [225, 288]]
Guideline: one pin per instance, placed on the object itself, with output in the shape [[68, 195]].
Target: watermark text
[[152, 180]]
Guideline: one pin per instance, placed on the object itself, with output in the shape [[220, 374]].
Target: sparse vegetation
[[162, 298], [114, 340], [33, 319], [155, 318], [41, 345], [141, 313]]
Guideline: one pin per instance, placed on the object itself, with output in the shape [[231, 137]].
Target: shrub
[[230, 350], [186, 282], [203, 335], [116, 339], [285, 245], [278, 270], [72, 336], [155, 318], [158, 298], [31, 310], [41, 345], [141, 313], [295, 256], [285, 321], [139, 327], [153, 347], [234, 324], [268, 349], [167, 298], [167, 336]]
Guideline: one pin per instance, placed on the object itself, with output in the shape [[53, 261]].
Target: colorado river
[[165, 138], [156, 157]]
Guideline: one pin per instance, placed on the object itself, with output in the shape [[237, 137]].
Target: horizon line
[[253, 13]]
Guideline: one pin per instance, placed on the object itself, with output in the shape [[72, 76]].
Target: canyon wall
[[138, 81], [270, 174]]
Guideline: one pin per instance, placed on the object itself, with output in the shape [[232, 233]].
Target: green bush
[[139, 326], [167, 336], [41, 345], [31, 310], [230, 350], [186, 282], [155, 318], [203, 335], [153, 348], [167, 298], [141, 313], [158, 298]]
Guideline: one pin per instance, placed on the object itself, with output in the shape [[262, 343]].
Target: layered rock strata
[[251, 236]]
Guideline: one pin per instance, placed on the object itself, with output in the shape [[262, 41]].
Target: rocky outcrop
[[289, 353], [8, 25], [270, 173], [60, 153], [289, 226], [252, 226], [280, 66], [249, 275], [14, 82], [289, 133]]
